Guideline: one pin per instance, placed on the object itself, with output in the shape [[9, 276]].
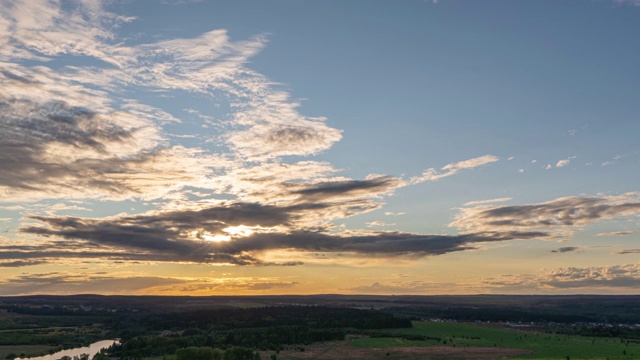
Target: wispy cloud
[[432, 174], [68, 283], [618, 233], [378, 223], [628, 251], [488, 201], [21, 263]]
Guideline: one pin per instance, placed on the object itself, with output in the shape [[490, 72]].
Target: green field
[[543, 346], [23, 349]]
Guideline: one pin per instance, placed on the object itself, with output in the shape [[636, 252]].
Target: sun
[[216, 238], [228, 233], [240, 230]]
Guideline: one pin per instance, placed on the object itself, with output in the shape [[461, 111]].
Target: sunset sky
[[321, 146]]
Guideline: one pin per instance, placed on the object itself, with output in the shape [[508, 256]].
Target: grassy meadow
[[543, 346]]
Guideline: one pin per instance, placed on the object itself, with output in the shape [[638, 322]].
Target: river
[[91, 350]]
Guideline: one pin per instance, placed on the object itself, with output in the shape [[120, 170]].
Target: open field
[[23, 349], [343, 350], [468, 341]]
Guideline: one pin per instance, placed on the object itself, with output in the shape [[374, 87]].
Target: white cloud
[[378, 224], [565, 162], [488, 201], [453, 168]]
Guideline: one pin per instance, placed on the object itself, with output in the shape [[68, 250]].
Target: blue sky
[[212, 147]]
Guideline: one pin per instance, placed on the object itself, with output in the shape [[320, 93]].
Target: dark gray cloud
[[21, 263], [628, 251], [618, 233], [559, 215], [55, 252], [62, 283], [566, 249], [185, 236], [326, 191], [381, 243]]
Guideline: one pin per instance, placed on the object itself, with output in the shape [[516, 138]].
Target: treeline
[[63, 339], [196, 353], [503, 314], [622, 332], [258, 339], [313, 316], [268, 328]]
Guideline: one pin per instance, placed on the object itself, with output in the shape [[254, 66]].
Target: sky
[[177, 147]]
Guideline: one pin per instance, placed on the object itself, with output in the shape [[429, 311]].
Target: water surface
[[91, 350]]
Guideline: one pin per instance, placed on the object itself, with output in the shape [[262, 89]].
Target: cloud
[[38, 29], [411, 287], [271, 285], [566, 249], [59, 139], [273, 128], [21, 263], [565, 162], [326, 191], [390, 213], [488, 201], [232, 285], [618, 233], [195, 235], [378, 223], [571, 278], [70, 132], [432, 174], [628, 251], [559, 217], [66, 283]]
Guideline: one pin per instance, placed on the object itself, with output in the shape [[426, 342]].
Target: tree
[[198, 353], [239, 353]]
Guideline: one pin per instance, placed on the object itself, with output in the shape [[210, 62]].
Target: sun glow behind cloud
[[216, 238]]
